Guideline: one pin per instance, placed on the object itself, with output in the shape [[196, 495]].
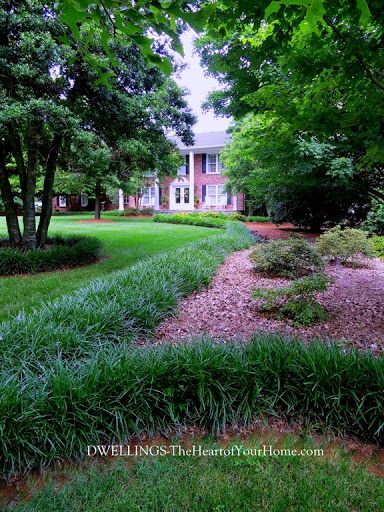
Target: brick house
[[199, 184]]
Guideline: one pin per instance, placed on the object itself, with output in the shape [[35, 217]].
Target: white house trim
[[121, 199], [191, 180]]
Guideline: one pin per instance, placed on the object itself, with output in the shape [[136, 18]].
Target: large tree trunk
[[29, 189], [13, 227], [46, 209], [97, 199]]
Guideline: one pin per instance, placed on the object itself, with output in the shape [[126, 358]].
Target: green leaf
[[362, 5], [272, 8]]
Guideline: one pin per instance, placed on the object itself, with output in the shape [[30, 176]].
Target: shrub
[[378, 246], [287, 258], [129, 212], [375, 219], [193, 219], [63, 406], [296, 301], [344, 245], [61, 251], [257, 218]]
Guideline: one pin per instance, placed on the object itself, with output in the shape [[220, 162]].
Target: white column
[[235, 203], [191, 181], [121, 199], [157, 196]]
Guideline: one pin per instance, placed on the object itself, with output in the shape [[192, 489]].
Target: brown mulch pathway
[[275, 232], [226, 311]]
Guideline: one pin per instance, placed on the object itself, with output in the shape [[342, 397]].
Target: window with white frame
[[216, 195], [213, 163], [148, 198], [83, 200], [62, 201]]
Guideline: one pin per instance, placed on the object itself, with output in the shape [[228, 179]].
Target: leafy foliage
[[54, 114], [62, 251], [287, 258], [375, 219], [307, 74], [139, 23], [208, 219], [130, 212], [344, 244], [378, 246], [296, 301]]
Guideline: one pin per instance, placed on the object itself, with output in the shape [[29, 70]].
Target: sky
[[199, 85]]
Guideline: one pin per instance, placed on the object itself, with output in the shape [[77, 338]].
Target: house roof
[[205, 141]]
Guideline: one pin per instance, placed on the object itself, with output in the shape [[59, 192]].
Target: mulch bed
[[273, 232], [226, 310]]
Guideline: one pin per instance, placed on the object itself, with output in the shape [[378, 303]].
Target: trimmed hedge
[[257, 218], [129, 212], [206, 219], [118, 391], [62, 251], [191, 219]]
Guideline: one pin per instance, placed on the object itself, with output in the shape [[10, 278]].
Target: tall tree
[[315, 68], [50, 90]]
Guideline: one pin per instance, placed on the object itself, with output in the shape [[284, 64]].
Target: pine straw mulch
[[226, 311]]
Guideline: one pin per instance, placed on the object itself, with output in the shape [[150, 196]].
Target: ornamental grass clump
[[61, 251], [57, 408], [344, 245], [297, 301], [290, 258]]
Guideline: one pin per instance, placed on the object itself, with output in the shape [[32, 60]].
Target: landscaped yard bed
[[226, 309]]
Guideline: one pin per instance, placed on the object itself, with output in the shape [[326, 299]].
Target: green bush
[[296, 301], [193, 219], [344, 245], [287, 258], [61, 251], [375, 219], [129, 212], [55, 410], [257, 218], [378, 246]]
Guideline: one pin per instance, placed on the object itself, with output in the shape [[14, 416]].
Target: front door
[[181, 198]]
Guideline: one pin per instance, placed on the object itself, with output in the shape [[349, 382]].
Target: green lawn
[[125, 240], [215, 484]]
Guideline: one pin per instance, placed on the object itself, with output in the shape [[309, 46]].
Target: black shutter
[[203, 193], [160, 194], [186, 164], [204, 163], [229, 197]]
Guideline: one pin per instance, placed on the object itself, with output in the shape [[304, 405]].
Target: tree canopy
[[313, 69]]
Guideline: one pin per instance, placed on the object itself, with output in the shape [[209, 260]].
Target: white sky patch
[[199, 85]]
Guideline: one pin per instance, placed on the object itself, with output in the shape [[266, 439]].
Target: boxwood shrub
[[290, 258], [207, 219], [61, 251], [129, 212]]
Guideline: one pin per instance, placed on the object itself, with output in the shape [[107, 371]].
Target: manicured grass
[[125, 242], [215, 484]]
